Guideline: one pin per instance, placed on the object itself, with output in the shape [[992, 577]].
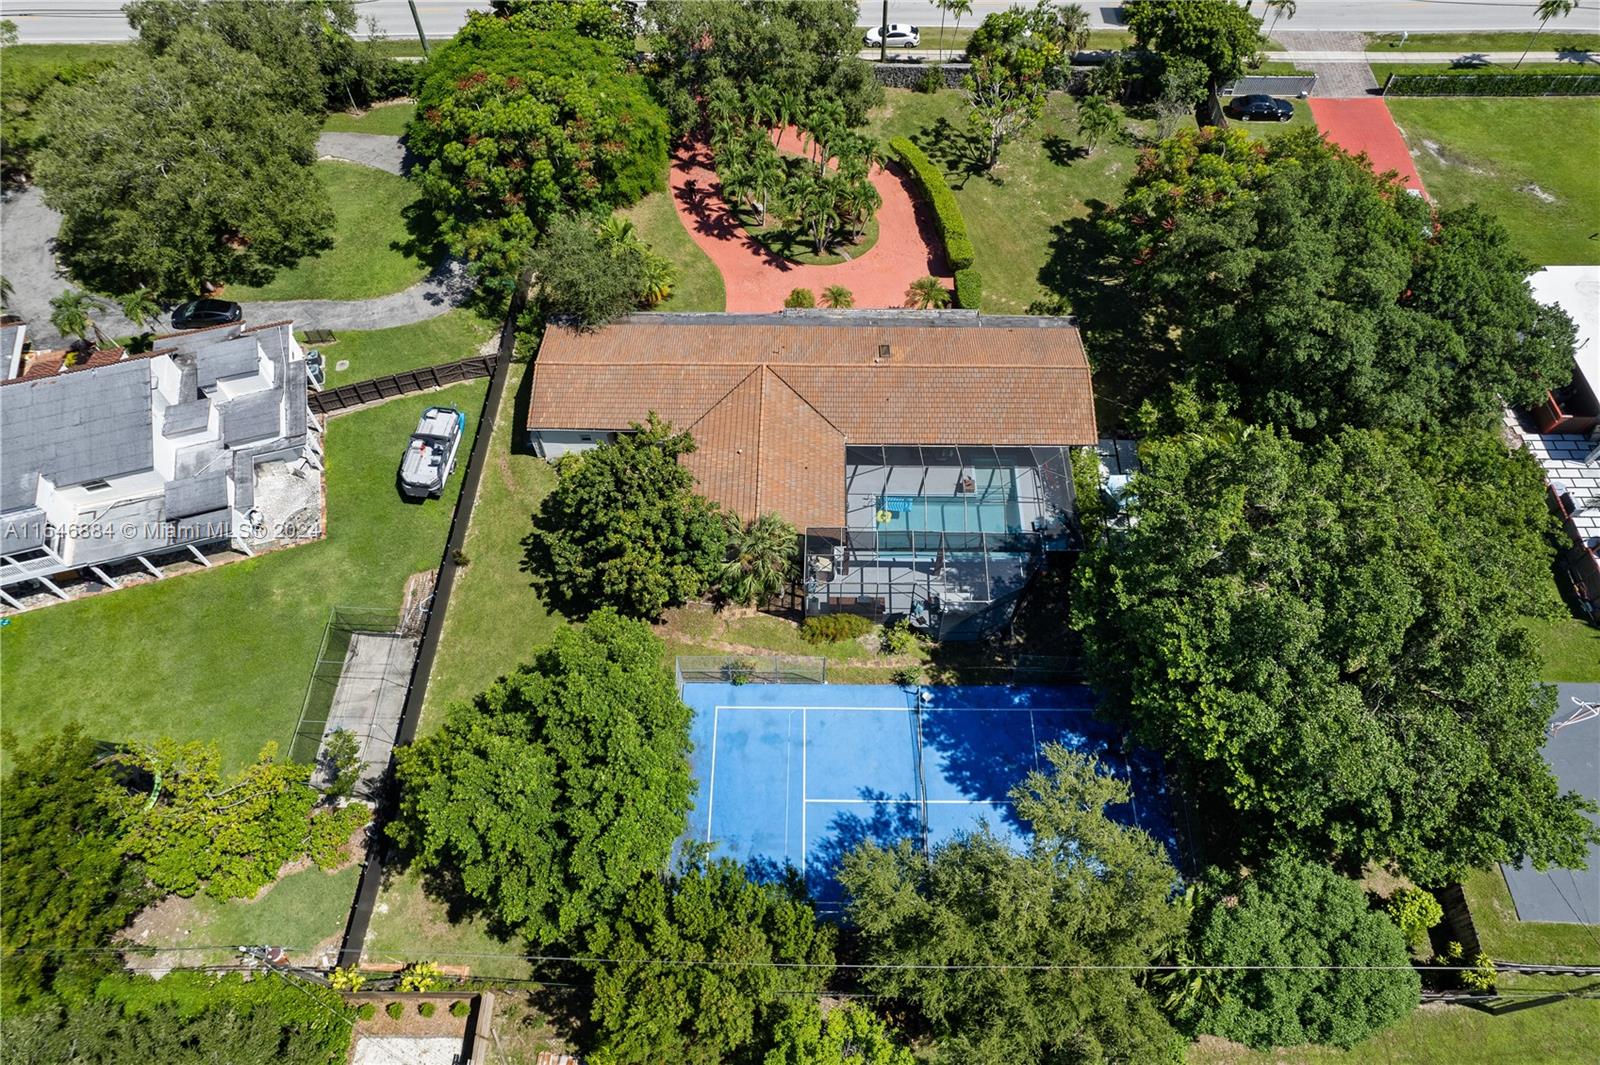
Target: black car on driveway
[[197, 314], [1259, 107]]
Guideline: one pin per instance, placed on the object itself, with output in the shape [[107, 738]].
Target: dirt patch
[[1536, 192], [1444, 157]]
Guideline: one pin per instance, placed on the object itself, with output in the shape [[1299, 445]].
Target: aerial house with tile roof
[[119, 463], [924, 454]]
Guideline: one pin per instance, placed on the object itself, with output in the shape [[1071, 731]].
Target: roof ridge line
[[806, 400], [707, 412], [761, 444]]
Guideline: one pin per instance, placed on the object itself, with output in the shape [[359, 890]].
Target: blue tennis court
[[799, 774]]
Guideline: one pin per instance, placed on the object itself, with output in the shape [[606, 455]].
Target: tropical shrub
[[396, 1010], [367, 1010], [459, 1008], [421, 976], [1415, 911], [834, 628], [800, 298], [969, 288], [761, 560], [426, 1008]]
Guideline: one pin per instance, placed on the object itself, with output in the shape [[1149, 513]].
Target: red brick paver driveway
[[1365, 125], [908, 244]]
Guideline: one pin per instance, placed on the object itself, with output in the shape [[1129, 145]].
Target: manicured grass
[[1555, 38], [21, 59], [372, 253], [454, 335], [1044, 178], [1520, 159], [1278, 68], [1563, 1032], [408, 925], [1571, 648], [699, 286], [223, 655], [298, 912], [385, 118], [495, 620], [798, 247], [397, 47], [1504, 936]]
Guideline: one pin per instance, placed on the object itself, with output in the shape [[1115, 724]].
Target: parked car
[[316, 369], [900, 36], [197, 314], [1259, 107], [431, 454]]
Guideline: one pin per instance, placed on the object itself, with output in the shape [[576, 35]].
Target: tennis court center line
[[805, 847], [931, 709], [930, 802]]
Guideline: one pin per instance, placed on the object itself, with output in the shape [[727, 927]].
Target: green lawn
[[798, 247], [1278, 68], [454, 335], [1555, 38], [1043, 178], [408, 925], [1570, 647], [299, 912], [1562, 1032], [495, 619], [699, 286], [223, 655], [1261, 130], [373, 254], [385, 118], [1504, 936], [1519, 158]]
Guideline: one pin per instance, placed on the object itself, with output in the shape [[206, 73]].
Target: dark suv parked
[[1259, 107], [197, 314]]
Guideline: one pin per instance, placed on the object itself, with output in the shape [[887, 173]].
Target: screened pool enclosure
[[946, 537]]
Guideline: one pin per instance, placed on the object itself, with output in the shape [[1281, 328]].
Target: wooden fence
[[346, 397]]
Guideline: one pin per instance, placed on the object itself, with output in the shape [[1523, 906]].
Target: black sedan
[[197, 314], [1259, 107]]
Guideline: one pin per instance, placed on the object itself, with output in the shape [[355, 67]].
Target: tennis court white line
[[804, 847], [932, 709], [931, 802], [711, 783]]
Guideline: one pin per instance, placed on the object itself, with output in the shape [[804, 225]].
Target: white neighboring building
[[1564, 432], [123, 459]]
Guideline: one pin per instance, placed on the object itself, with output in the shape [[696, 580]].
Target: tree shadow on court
[[889, 821]]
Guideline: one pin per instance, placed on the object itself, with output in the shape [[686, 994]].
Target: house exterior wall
[[553, 443]]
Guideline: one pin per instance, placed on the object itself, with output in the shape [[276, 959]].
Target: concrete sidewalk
[[1579, 60]]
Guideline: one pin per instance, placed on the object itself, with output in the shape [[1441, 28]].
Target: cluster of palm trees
[[656, 273], [72, 313], [827, 196]]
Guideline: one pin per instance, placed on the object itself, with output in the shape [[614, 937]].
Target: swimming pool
[[994, 511]]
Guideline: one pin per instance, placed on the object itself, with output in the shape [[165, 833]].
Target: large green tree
[[1290, 280], [700, 966], [67, 888], [847, 1034], [797, 52], [179, 169], [624, 527], [590, 276], [307, 47], [1087, 891], [1300, 957], [1324, 637], [517, 125], [1011, 56], [1222, 34], [546, 799]]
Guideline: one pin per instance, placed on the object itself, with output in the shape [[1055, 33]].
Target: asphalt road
[[101, 20]]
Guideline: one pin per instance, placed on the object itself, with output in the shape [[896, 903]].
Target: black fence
[[345, 397]]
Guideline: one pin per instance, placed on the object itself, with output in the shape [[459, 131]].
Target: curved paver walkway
[[1367, 126], [755, 279], [27, 259]]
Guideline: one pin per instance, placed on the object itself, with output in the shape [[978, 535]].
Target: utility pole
[[883, 35], [423, 37]]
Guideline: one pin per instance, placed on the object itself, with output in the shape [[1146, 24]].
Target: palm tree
[[1547, 10], [659, 276], [144, 312], [763, 104], [70, 314], [737, 186], [861, 201], [1074, 23], [1096, 118], [616, 231], [5, 293], [926, 293], [1280, 9], [958, 8], [764, 167], [826, 123], [814, 207], [763, 558], [838, 297]]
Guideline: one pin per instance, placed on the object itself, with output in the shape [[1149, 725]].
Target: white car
[[431, 453], [900, 36]]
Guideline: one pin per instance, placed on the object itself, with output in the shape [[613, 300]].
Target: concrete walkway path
[[1338, 79], [908, 245], [27, 259], [1367, 126]]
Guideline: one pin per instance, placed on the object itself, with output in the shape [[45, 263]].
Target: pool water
[[966, 513]]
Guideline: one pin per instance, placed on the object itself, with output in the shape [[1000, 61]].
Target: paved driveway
[[1366, 126]]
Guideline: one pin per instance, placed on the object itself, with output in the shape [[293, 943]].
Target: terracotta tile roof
[[772, 400]]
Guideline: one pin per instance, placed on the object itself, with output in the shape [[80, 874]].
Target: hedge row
[[952, 227], [1492, 85], [969, 288]]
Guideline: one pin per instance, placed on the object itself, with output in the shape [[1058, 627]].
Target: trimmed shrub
[[1415, 911], [459, 1008], [969, 288], [426, 1008], [932, 80], [801, 297], [952, 226], [366, 1011], [1492, 85], [395, 1009], [900, 638], [834, 628]]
